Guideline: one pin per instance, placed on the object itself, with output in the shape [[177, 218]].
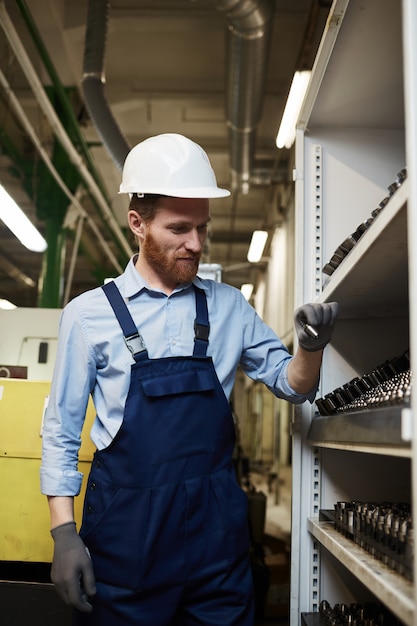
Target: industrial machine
[[27, 348]]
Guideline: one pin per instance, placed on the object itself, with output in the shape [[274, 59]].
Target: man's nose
[[195, 241]]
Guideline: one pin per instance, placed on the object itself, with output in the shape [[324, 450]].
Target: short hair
[[145, 205]]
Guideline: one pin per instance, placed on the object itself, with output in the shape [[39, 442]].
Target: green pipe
[[51, 207], [51, 279], [59, 90]]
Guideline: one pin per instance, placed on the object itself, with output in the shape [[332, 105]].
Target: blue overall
[[164, 518]]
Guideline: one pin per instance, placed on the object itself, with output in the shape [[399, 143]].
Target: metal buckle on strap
[[201, 331], [135, 343]]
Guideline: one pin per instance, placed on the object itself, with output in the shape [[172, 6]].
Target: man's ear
[[136, 224]]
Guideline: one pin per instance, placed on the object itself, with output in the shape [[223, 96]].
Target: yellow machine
[[24, 515]]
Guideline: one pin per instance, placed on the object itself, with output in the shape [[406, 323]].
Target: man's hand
[[314, 325], [72, 569]]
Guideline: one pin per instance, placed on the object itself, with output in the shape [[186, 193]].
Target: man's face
[[171, 244]]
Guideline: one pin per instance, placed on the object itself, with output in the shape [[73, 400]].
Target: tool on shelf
[[354, 614], [383, 529], [346, 246], [388, 384]]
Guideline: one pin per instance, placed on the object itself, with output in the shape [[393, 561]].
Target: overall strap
[[201, 323], [133, 339]]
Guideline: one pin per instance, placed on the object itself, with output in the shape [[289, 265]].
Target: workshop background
[[81, 82]]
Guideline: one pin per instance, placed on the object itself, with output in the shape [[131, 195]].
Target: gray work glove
[[314, 324], [72, 569]]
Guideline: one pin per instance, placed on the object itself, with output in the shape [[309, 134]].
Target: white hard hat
[[170, 165]]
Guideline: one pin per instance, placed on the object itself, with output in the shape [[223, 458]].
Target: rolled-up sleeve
[[72, 381], [266, 359]]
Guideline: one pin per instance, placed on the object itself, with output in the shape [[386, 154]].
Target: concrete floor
[[277, 525], [278, 512]]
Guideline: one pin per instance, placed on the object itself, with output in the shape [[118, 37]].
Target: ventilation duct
[[94, 80], [248, 41], [247, 50]]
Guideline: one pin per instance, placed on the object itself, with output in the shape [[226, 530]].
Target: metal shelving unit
[[356, 131]]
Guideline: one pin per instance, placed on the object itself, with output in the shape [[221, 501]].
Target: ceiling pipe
[[24, 120], [14, 272], [59, 91], [58, 129], [247, 53], [248, 43], [93, 82]]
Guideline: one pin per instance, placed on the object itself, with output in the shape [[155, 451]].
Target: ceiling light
[[19, 224], [6, 305], [247, 290], [257, 245], [286, 133]]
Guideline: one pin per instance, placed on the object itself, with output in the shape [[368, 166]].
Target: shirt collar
[[134, 283]]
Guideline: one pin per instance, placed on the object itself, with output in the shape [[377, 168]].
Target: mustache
[[190, 256]]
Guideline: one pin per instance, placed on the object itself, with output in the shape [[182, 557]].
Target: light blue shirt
[[92, 358]]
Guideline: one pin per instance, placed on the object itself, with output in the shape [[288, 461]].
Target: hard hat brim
[[198, 192]]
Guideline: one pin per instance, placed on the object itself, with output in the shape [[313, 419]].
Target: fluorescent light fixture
[[6, 304], [19, 224], [247, 290], [286, 133], [257, 245]]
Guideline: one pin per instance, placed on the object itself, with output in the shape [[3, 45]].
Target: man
[[164, 520]]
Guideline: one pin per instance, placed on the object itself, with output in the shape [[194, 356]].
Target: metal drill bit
[[310, 330]]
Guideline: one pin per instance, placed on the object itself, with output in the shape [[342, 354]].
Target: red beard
[[174, 268]]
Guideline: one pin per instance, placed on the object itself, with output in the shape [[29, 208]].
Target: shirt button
[[89, 509], [93, 486]]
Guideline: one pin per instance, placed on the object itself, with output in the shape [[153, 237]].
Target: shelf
[[392, 589], [374, 275], [356, 68], [377, 431]]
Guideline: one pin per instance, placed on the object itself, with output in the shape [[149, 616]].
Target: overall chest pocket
[[192, 381], [182, 414]]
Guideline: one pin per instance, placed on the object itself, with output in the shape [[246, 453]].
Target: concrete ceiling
[[166, 70]]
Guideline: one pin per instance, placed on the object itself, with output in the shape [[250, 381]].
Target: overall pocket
[[114, 530]]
